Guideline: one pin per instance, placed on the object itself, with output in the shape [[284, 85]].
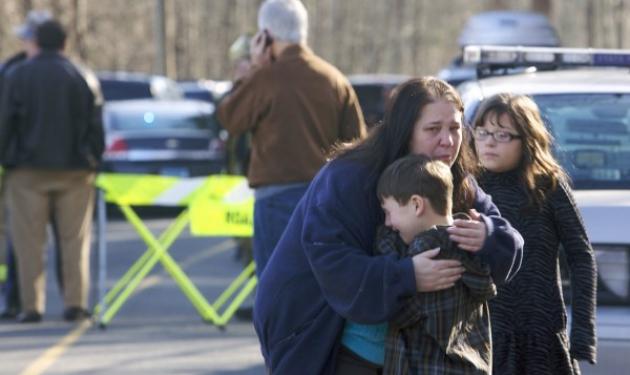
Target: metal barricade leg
[[205, 310], [237, 302], [102, 250], [126, 191], [245, 275], [166, 239], [144, 265]]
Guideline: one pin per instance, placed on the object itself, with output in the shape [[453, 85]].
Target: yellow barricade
[[223, 207], [220, 205]]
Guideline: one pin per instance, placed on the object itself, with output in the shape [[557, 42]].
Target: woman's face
[[438, 132], [498, 156]]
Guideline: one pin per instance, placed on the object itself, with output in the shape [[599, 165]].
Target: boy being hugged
[[442, 332]]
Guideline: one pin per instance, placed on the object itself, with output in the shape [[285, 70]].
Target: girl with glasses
[[528, 316]]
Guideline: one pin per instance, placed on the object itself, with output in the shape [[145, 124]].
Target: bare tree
[[498, 4], [27, 5], [620, 12], [542, 6], [79, 28], [400, 36], [590, 22], [57, 8], [159, 37], [416, 41]]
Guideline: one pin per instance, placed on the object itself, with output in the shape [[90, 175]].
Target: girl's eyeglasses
[[500, 136]]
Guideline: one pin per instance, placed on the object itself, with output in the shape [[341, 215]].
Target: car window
[[372, 100], [124, 90], [155, 120], [591, 137], [203, 95]]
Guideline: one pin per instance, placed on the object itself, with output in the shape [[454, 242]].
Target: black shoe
[[75, 313], [30, 317], [10, 313]]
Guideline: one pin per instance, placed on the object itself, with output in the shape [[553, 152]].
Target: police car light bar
[[533, 56]]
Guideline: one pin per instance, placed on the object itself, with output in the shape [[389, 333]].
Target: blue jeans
[[271, 216]]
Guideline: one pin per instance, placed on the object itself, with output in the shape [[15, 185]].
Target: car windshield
[[591, 137], [371, 98], [138, 120], [124, 90]]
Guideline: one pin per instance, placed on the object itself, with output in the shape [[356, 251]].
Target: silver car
[[176, 137]]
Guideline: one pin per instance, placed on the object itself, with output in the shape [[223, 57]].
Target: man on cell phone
[[297, 106]]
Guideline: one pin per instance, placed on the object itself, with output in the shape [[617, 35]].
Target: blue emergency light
[[498, 56]]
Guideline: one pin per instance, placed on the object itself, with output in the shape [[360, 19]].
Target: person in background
[[240, 56], [296, 106], [532, 191], [51, 143], [324, 272], [26, 33], [239, 147], [238, 155]]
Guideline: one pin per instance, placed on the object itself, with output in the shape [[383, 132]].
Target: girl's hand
[[433, 275], [470, 235]]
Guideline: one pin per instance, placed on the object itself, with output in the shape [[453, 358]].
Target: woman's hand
[[433, 275], [470, 235]]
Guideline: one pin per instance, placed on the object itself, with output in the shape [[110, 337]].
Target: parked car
[[373, 91], [166, 137], [207, 90], [196, 90], [126, 85], [502, 28]]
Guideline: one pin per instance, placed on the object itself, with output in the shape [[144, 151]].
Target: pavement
[[157, 331]]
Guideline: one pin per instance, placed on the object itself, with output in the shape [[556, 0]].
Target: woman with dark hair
[[528, 317], [324, 271]]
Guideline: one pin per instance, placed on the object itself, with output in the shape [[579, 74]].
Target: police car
[[584, 99]]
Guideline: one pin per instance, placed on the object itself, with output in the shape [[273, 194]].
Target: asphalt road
[[158, 331]]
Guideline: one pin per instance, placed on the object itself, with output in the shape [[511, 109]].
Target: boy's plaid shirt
[[444, 332]]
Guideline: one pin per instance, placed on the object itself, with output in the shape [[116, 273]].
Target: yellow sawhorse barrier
[[219, 205], [4, 271]]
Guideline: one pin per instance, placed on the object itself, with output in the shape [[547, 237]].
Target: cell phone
[[268, 38]]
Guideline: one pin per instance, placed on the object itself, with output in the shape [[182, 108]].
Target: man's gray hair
[[286, 20]]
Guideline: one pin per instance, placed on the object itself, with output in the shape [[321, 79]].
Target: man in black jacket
[[51, 142], [26, 33]]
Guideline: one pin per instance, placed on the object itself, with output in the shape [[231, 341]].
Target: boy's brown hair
[[419, 175]]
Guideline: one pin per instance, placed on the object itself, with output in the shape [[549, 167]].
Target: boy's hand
[[469, 234], [433, 275]]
